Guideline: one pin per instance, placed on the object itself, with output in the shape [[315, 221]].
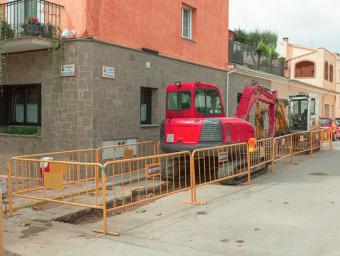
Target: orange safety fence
[[81, 155], [138, 180], [283, 147], [70, 183], [301, 142], [126, 151], [262, 154], [139, 173], [327, 137], [219, 163]]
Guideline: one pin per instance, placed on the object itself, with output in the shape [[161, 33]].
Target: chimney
[[284, 50]]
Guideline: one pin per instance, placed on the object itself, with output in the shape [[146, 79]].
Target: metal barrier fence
[[142, 179], [219, 163], [64, 182], [132, 178], [126, 151], [81, 155], [327, 138]]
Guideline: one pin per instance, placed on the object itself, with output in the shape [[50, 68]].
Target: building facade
[[316, 67], [105, 83]]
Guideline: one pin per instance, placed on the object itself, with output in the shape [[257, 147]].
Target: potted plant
[[47, 30], [32, 27]]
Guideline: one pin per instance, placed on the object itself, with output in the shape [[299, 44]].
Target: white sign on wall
[[108, 72], [68, 70]]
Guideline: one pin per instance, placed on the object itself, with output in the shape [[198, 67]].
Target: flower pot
[[32, 29]]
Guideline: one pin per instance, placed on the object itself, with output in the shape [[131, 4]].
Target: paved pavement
[[294, 212]]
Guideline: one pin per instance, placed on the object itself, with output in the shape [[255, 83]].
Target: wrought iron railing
[[29, 18], [245, 55]]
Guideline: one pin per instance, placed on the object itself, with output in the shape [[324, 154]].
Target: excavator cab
[[195, 119], [303, 112]]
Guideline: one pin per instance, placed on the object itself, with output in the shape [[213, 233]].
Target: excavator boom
[[251, 95]]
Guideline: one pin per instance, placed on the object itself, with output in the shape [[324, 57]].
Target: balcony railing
[[22, 18], [244, 55]]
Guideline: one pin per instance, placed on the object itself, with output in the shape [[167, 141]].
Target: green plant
[[22, 130], [57, 44], [6, 30], [264, 42]]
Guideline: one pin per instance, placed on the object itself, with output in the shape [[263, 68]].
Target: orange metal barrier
[[219, 163], [283, 147], [126, 151], [327, 138], [138, 180], [263, 153], [135, 175], [301, 142], [63, 182], [81, 155]]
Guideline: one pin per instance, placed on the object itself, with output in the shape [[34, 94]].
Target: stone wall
[[85, 110]]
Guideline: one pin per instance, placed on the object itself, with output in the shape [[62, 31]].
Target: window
[[312, 107], [207, 102], [179, 100], [304, 69], [326, 70], [239, 96], [187, 22], [22, 105], [145, 105], [331, 73]]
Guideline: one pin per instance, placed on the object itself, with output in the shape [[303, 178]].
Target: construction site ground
[[295, 211]]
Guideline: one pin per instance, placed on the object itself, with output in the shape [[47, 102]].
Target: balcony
[[244, 55], [28, 25]]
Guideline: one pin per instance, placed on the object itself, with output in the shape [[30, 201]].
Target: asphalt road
[[294, 212]]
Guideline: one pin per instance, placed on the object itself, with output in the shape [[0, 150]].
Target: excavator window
[[207, 101], [180, 100]]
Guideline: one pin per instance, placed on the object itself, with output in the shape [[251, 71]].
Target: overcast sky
[[306, 22]]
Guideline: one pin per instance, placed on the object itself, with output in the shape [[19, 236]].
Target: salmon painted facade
[[155, 25]]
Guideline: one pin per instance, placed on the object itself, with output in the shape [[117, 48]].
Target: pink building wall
[[154, 24]]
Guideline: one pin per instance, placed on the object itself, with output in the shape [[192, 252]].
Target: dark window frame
[[179, 100], [11, 91], [146, 94], [206, 91]]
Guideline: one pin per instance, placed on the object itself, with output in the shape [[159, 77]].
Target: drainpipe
[[230, 71]]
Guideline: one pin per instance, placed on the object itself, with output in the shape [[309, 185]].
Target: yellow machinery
[[281, 121]]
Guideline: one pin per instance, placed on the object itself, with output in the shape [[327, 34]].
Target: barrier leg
[[193, 192], [104, 231], [273, 154], [311, 143], [248, 166], [97, 173], [291, 149], [10, 196]]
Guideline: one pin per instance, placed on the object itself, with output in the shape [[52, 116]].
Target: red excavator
[[195, 116]]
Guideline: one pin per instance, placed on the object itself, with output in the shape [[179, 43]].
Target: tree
[[264, 42]]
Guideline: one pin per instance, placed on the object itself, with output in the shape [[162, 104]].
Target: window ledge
[[188, 39], [2, 134], [149, 125]]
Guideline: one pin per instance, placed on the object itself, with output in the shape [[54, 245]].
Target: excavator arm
[[251, 95]]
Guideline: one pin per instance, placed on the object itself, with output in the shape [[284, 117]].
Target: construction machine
[[303, 112], [195, 116]]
